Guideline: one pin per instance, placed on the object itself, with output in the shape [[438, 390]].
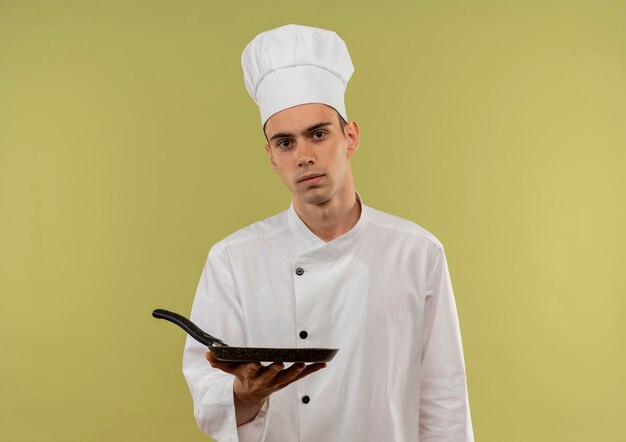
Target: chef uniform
[[380, 293]]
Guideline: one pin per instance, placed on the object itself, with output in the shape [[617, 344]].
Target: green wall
[[129, 145]]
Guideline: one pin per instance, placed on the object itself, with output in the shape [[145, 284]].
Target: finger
[[310, 369], [250, 369], [273, 377], [266, 374], [285, 376]]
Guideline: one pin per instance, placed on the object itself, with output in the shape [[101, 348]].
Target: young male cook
[[328, 272]]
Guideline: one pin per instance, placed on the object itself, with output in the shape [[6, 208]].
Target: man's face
[[310, 152]]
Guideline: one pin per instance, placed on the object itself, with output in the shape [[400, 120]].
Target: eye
[[281, 144], [319, 134]]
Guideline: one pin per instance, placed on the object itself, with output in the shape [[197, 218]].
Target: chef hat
[[294, 65]]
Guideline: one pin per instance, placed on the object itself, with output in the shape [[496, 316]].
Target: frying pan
[[224, 352]]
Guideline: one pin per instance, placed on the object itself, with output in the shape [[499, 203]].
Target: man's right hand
[[254, 383]]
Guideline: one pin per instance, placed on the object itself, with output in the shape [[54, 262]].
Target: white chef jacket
[[380, 293]]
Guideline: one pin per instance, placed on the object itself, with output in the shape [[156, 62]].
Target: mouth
[[310, 178]]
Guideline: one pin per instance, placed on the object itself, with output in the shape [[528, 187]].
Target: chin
[[316, 197]]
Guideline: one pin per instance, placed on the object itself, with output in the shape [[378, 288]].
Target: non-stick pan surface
[[261, 354], [223, 352]]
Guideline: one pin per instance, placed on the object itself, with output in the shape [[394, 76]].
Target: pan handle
[[192, 329]]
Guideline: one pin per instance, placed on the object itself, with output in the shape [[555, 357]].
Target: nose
[[306, 153]]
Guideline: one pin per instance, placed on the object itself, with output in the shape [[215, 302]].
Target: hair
[[342, 124]]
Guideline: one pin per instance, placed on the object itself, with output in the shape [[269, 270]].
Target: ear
[[352, 134], [268, 149]]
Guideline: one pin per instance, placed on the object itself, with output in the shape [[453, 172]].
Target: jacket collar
[[308, 244]]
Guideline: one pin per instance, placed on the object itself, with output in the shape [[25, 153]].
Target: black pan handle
[[192, 329]]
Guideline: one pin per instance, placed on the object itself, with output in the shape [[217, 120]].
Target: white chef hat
[[294, 65]]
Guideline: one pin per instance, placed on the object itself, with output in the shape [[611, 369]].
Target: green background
[[129, 145]]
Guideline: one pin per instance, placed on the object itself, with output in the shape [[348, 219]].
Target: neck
[[333, 218]]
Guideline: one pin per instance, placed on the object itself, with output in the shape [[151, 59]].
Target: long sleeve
[[216, 309], [444, 403]]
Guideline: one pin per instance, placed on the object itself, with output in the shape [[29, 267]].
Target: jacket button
[[303, 334], [306, 399], [299, 271]]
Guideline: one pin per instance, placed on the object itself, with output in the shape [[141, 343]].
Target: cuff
[[255, 430]]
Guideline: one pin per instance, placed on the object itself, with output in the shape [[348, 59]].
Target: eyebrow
[[307, 130]]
